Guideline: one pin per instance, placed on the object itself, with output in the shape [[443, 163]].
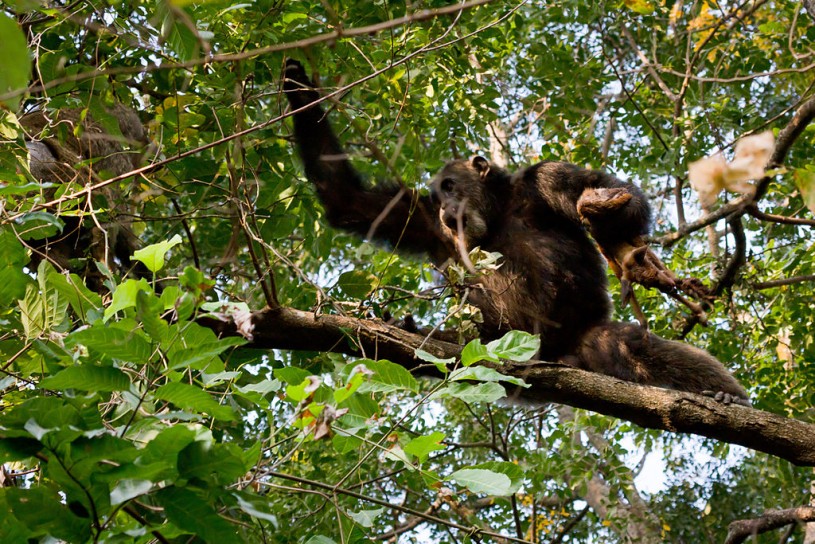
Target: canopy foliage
[[125, 417]]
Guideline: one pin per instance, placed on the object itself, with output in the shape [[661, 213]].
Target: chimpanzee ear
[[482, 166]]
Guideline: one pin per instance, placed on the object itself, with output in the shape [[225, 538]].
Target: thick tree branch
[[742, 529], [652, 407]]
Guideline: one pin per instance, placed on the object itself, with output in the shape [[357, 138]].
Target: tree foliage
[[124, 416]]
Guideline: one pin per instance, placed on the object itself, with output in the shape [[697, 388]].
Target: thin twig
[[473, 531], [260, 126], [334, 35]]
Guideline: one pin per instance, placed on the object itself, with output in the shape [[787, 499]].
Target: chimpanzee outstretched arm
[[397, 215]]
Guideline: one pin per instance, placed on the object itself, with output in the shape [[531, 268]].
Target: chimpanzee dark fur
[[553, 279]]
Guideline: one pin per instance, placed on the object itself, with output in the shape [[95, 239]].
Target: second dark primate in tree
[[66, 146], [553, 279]]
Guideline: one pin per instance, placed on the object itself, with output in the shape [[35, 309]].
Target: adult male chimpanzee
[[552, 281]]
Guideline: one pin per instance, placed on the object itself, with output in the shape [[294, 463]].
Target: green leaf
[[257, 508], [199, 356], [177, 33], [482, 392], [191, 513], [193, 280], [357, 283], [805, 181], [260, 389], [153, 255], [129, 489], [148, 311], [643, 7], [10, 247], [441, 364], [88, 378], [511, 470], [320, 539], [343, 392], [41, 309], [39, 225], [389, 377], [190, 397], [125, 296], [483, 481], [113, 342], [366, 518], [83, 301], [422, 446], [13, 530], [13, 281], [300, 392], [293, 16], [13, 284], [475, 352], [484, 374], [516, 346], [42, 510], [16, 66], [291, 374], [217, 463], [218, 378]]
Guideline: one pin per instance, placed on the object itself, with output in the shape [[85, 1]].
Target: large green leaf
[[88, 378], [16, 66], [388, 376], [113, 342], [153, 255], [189, 512], [192, 398], [42, 309], [479, 480], [30, 506]]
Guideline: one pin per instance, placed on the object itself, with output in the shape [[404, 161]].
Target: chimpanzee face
[[462, 194]]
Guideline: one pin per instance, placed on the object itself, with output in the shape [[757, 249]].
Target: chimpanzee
[[553, 278]]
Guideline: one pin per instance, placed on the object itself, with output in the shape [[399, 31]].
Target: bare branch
[[783, 281], [773, 218], [741, 530]]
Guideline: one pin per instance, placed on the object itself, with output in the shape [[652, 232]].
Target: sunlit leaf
[[153, 255], [483, 481]]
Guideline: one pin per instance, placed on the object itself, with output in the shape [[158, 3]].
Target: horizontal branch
[[737, 205], [783, 219], [651, 407], [741, 530], [783, 281]]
